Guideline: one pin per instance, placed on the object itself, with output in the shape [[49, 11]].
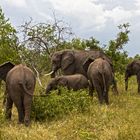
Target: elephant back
[[21, 74]]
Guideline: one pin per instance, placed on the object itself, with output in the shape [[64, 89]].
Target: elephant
[[4, 69], [20, 85], [100, 75], [71, 62], [132, 68], [75, 82]]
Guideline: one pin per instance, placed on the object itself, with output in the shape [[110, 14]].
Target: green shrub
[[56, 106]]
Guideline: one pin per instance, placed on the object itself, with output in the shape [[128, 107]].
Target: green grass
[[73, 115]]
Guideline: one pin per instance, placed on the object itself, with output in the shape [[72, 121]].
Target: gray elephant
[[100, 75], [4, 69], [71, 62], [20, 84], [133, 68], [75, 82]]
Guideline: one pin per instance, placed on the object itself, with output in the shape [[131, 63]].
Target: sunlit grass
[[118, 121]]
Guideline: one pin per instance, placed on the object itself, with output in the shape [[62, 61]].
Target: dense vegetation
[[70, 115]]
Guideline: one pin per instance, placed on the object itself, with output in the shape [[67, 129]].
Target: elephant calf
[[75, 82], [100, 75]]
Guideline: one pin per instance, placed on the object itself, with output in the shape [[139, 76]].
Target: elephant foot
[[8, 116], [107, 103], [20, 122], [27, 122]]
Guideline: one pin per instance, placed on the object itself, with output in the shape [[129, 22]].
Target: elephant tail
[[23, 86], [104, 84]]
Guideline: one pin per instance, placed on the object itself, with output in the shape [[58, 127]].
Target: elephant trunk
[[53, 74], [48, 89]]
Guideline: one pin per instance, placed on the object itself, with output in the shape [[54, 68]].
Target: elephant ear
[[67, 60], [87, 63], [4, 69]]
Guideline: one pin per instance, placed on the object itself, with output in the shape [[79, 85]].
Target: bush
[[56, 106]]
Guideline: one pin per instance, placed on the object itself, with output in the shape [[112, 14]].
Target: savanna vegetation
[[71, 114]]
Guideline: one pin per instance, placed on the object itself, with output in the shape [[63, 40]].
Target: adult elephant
[[133, 68], [71, 62], [20, 84], [100, 74]]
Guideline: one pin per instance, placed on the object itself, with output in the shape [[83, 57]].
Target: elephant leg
[[9, 105], [27, 107], [106, 97], [139, 88], [138, 81], [91, 89], [99, 92], [20, 113], [20, 109], [114, 87]]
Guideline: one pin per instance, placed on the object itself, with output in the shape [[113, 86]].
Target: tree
[[137, 56], [8, 41], [115, 48], [93, 44], [42, 39]]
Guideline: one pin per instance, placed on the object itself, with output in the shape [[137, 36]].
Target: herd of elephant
[[80, 68]]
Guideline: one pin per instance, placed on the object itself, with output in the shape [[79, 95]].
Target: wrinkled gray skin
[[133, 68], [20, 84], [75, 82], [100, 75], [71, 62]]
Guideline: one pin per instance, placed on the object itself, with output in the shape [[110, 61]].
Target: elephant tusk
[[49, 73]]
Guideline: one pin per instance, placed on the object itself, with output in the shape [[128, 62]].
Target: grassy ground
[[118, 121]]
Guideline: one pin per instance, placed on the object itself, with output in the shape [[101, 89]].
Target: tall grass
[[73, 115]]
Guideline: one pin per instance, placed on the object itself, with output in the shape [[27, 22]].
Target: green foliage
[[115, 48], [81, 44], [93, 44], [137, 56], [8, 40], [57, 106]]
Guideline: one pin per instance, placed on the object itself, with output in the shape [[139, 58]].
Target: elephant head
[[54, 83], [63, 60], [4, 69], [132, 69]]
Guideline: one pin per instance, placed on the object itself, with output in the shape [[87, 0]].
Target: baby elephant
[[75, 82], [100, 75]]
